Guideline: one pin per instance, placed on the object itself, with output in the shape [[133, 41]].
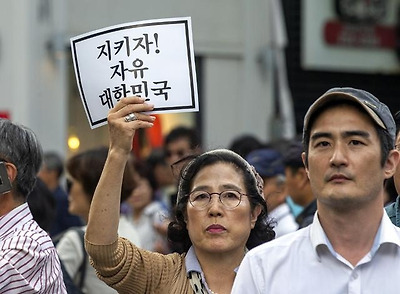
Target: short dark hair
[[292, 157], [385, 138], [53, 162], [144, 170], [183, 132], [244, 144], [42, 205], [87, 166], [177, 231]]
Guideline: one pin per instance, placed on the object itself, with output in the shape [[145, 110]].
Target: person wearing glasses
[[220, 214], [393, 209]]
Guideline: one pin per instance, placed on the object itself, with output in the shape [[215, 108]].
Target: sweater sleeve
[[129, 269]]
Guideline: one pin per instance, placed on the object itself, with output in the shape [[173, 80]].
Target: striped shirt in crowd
[[28, 260]]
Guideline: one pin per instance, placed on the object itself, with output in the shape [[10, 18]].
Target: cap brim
[[338, 96]]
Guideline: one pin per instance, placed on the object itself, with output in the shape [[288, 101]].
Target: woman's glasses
[[229, 198]]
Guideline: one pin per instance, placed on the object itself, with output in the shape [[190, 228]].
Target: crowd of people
[[188, 220]]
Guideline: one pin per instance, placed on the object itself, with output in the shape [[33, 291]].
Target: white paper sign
[[153, 59]]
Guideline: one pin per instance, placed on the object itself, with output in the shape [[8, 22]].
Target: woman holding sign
[[220, 214]]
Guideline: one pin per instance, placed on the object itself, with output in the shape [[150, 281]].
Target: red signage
[[4, 114], [359, 35]]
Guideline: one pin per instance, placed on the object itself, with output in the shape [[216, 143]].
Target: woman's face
[[216, 229], [79, 203], [142, 195]]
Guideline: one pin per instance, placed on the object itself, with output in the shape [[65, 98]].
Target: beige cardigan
[[129, 269]]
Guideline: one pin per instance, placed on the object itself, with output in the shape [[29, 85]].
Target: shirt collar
[[387, 233], [191, 261]]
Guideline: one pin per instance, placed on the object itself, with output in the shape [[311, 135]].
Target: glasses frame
[[219, 198]]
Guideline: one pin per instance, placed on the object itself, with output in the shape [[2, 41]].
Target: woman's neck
[[137, 213], [219, 270]]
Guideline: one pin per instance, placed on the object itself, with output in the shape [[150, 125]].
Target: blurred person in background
[[161, 172], [179, 143], [50, 173], [390, 192], [244, 144], [219, 215], [298, 184], [83, 173], [145, 212], [268, 164], [42, 205], [28, 259], [393, 209]]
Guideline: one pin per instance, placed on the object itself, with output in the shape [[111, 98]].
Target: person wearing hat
[[351, 245], [220, 214], [268, 163]]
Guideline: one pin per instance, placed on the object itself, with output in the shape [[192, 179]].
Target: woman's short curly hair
[[262, 231]]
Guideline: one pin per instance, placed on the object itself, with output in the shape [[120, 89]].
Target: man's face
[[344, 159], [177, 149]]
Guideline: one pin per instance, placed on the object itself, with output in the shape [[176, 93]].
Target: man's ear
[[391, 163], [11, 171], [303, 157]]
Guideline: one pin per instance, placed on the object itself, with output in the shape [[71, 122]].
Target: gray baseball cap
[[377, 110]]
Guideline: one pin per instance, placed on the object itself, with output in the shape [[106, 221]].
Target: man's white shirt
[[305, 262]]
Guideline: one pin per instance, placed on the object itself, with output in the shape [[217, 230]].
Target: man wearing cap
[[351, 246], [268, 164]]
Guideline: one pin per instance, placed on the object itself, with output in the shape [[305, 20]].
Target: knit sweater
[[129, 269]]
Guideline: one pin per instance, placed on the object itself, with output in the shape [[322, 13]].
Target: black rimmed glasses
[[229, 198]]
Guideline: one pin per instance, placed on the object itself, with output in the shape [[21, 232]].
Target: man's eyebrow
[[318, 135], [356, 133], [345, 134]]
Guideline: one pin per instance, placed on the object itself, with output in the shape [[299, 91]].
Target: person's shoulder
[[393, 211], [155, 207], [284, 243], [60, 194], [28, 238]]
